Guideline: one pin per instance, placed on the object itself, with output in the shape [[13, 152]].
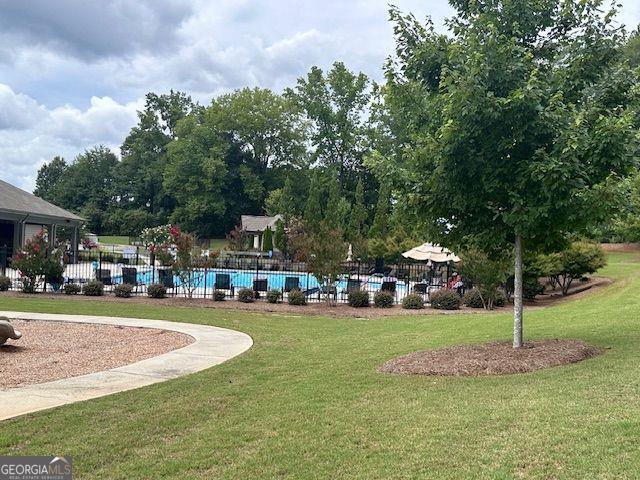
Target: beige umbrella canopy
[[433, 252]]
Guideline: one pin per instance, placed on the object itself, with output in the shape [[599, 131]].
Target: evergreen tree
[[267, 240], [380, 226], [313, 210]]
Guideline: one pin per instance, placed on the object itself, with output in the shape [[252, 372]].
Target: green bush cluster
[[246, 295], [413, 301], [219, 296], [156, 290], [445, 299], [472, 299], [123, 290], [383, 299], [71, 289], [358, 298], [93, 288], [296, 297], [5, 283], [274, 296]]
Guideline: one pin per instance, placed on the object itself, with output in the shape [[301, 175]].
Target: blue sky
[[74, 72]]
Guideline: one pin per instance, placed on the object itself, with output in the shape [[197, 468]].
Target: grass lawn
[[306, 401], [217, 243], [114, 239]]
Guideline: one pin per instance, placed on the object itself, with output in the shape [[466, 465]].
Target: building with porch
[[256, 225], [22, 215]]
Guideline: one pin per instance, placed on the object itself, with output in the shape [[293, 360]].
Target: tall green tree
[[336, 106], [50, 180], [380, 227], [313, 208], [526, 111]]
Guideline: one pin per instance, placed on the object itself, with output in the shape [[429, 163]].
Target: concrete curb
[[212, 346]]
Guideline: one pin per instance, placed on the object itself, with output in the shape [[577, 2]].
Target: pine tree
[[267, 240], [313, 210]]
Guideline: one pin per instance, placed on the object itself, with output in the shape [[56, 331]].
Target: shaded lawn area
[[114, 239], [307, 402]]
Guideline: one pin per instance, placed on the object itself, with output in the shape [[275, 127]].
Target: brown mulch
[[495, 358], [621, 247], [53, 350]]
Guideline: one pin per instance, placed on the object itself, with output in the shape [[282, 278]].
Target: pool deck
[[212, 346]]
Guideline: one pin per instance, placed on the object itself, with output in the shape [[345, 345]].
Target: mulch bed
[[50, 351], [495, 358]]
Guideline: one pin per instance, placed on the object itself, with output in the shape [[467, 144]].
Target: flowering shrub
[[36, 260]]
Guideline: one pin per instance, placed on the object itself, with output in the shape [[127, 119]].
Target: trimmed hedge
[[413, 301], [296, 297], [93, 288], [383, 299], [156, 290], [5, 283], [358, 298], [246, 295], [123, 290], [71, 289], [219, 296], [472, 299], [274, 296], [445, 299]]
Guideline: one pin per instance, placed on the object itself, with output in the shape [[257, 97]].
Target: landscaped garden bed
[[494, 358]]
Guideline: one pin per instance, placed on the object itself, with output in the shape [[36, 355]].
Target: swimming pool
[[275, 280]]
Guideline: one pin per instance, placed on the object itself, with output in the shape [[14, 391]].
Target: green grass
[[307, 402], [217, 243], [114, 239]]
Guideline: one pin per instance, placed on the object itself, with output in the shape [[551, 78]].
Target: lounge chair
[[291, 283], [353, 284], [130, 276], [420, 288], [330, 290], [104, 275], [165, 278], [388, 286], [260, 285]]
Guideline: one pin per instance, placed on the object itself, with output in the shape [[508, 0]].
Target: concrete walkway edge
[[212, 346]]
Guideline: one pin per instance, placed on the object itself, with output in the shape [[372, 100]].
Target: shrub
[[358, 298], [296, 297], [472, 299], [531, 287], [123, 290], [5, 283], [93, 288], [246, 295], [499, 299], [219, 296], [71, 289], [445, 299], [383, 299], [274, 296], [413, 301], [156, 290]]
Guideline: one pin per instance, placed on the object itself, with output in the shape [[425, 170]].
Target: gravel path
[[53, 350]]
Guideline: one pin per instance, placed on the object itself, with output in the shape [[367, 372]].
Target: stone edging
[[212, 346]]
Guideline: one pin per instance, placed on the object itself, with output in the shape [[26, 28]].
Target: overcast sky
[[74, 72]]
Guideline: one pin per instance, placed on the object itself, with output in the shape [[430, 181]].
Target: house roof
[[14, 201], [259, 223]]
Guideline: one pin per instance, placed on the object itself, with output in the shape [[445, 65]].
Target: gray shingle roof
[[259, 223], [16, 201]]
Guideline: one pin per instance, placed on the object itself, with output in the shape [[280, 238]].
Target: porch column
[[75, 239]]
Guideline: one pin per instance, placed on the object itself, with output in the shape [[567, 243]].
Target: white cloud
[[31, 134]]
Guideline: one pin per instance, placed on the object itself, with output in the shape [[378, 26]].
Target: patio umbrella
[[433, 252]]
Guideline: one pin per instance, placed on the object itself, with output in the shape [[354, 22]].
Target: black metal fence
[[230, 273]]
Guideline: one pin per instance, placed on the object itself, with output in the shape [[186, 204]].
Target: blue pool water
[[244, 279]]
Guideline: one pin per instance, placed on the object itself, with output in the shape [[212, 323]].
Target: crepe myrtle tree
[[527, 109]]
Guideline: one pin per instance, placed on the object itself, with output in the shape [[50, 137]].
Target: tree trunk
[[517, 294]]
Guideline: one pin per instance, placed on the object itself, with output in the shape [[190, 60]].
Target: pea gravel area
[[494, 358], [51, 351]]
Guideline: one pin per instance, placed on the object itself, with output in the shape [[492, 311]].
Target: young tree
[[487, 274], [267, 240], [525, 111], [327, 251]]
